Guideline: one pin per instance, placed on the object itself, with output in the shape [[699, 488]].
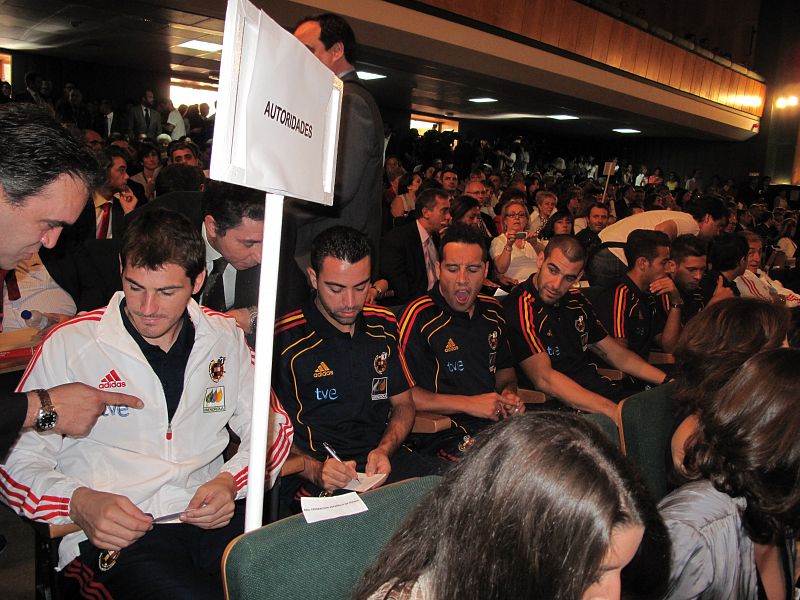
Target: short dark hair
[[228, 204], [594, 205], [105, 158], [179, 178], [182, 145], [36, 150], [427, 199], [570, 247], [708, 205], [31, 77], [450, 170], [644, 243], [548, 230], [726, 250], [158, 237], [146, 148], [687, 245], [463, 234], [334, 28], [342, 243]]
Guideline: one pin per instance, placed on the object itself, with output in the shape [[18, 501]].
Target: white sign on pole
[[278, 110], [276, 130]]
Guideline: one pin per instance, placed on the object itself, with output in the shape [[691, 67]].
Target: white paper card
[[333, 507], [365, 482], [277, 120]]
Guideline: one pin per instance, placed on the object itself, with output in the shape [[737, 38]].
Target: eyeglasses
[[516, 215]]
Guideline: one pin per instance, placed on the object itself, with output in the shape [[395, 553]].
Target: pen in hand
[[331, 451]]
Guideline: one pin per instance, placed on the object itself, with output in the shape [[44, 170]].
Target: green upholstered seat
[[294, 559], [647, 428], [606, 425]]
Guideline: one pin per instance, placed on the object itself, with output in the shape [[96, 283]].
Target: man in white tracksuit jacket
[[193, 370]]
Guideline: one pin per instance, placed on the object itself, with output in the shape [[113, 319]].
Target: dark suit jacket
[[402, 262], [137, 125], [118, 124], [87, 268], [190, 205], [489, 223], [359, 171]]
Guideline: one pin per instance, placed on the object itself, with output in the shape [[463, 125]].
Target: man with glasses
[[477, 189]]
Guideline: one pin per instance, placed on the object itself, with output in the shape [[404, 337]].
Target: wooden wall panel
[[654, 61], [668, 54], [713, 93], [705, 81], [616, 44], [554, 22], [533, 20], [677, 69], [602, 33], [642, 55], [574, 27], [585, 35], [571, 14]]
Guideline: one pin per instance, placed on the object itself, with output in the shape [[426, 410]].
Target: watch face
[[46, 420]]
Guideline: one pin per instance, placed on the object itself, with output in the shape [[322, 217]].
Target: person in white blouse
[[512, 252]]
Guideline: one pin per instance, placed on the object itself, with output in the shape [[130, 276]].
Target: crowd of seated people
[[481, 291]]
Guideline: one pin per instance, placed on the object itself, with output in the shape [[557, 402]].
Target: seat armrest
[[612, 374], [661, 358], [531, 396], [430, 422]]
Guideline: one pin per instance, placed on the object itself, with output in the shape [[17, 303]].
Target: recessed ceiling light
[[482, 100], [624, 130], [366, 75], [563, 117], [201, 46]]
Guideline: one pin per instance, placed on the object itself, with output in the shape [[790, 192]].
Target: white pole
[[267, 296]]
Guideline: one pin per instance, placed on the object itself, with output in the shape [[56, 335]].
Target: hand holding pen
[[335, 473]]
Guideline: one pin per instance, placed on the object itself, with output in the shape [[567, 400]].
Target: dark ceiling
[[146, 34]]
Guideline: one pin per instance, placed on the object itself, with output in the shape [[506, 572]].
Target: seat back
[[606, 425], [325, 560], [647, 428]]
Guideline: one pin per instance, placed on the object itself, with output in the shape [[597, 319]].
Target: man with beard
[[337, 363], [551, 327], [454, 342], [144, 120]]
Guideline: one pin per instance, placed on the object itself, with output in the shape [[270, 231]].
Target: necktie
[[214, 296], [430, 262], [8, 278], [147, 118], [105, 221]]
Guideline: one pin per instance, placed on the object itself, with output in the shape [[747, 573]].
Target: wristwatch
[[677, 305], [253, 320], [47, 417]]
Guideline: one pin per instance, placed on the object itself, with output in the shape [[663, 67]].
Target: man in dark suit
[[144, 119], [359, 166], [85, 261], [409, 253], [231, 220], [108, 120]]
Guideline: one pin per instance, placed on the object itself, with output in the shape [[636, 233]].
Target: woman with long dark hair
[[734, 528], [712, 347], [543, 506]]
